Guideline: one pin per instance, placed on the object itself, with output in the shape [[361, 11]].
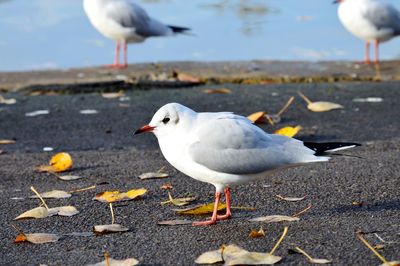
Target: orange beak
[[144, 129]]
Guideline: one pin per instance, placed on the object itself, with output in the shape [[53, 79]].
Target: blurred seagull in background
[[125, 22], [226, 150], [370, 20]]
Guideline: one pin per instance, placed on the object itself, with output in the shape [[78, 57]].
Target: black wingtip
[[327, 147], [177, 29]]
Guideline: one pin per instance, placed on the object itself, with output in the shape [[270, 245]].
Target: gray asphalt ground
[[106, 154]]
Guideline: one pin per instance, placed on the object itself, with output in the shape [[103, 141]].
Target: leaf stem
[[308, 101], [112, 214], [40, 197], [304, 253], [82, 189], [285, 230], [359, 235], [302, 211], [285, 106]]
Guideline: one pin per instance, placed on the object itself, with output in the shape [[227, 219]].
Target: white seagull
[[370, 20], [225, 149], [126, 22]]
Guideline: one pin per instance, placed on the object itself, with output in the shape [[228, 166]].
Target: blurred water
[[46, 34]]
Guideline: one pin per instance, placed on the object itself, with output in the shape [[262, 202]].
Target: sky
[[54, 34]]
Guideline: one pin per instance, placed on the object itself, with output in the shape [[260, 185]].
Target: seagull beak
[[337, 1], [144, 129]]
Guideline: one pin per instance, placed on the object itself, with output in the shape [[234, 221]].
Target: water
[[47, 34]]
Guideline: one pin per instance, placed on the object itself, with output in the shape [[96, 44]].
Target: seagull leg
[[116, 59], [367, 45], [228, 214], [125, 65], [213, 219], [376, 52]]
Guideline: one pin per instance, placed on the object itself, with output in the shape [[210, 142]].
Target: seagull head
[[167, 119], [338, 1]]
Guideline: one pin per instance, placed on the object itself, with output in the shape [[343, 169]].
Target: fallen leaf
[[37, 113], [7, 101], [109, 228], [275, 219], [36, 213], [153, 175], [297, 214], [63, 211], [166, 186], [293, 199], [360, 235], [114, 196], [55, 194], [288, 131], [185, 77], [391, 263], [175, 222], [58, 163], [257, 234], [210, 257], [37, 238], [201, 209], [368, 100], [112, 95], [88, 112], [312, 260], [217, 91], [69, 177], [320, 106], [178, 201], [258, 117], [113, 262], [234, 255], [7, 141]]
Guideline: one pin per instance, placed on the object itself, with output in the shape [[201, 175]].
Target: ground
[[350, 193]]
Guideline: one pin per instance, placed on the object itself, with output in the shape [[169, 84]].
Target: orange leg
[[125, 65], [116, 63], [376, 52], [228, 213], [367, 46]]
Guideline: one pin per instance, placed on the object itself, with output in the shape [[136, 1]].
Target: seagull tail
[[329, 147], [176, 29]]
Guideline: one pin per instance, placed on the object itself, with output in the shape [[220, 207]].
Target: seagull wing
[[383, 16], [232, 144]]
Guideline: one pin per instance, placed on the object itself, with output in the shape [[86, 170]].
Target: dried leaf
[[391, 263], [113, 262], [312, 260], [293, 199], [217, 91], [258, 117], [178, 201], [7, 141], [36, 213], [88, 111], [175, 222], [69, 177], [166, 186], [234, 255], [113, 196], [275, 219], [153, 175], [112, 95], [109, 228], [257, 234], [37, 113], [7, 101], [210, 257], [368, 100], [288, 131], [201, 209], [37, 238], [63, 211], [58, 163], [323, 106], [55, 194]]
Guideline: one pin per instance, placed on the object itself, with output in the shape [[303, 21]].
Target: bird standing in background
[[125, 22], [225, 150], [370, 20]]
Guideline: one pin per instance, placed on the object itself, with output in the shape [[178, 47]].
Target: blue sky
[[47, 34]]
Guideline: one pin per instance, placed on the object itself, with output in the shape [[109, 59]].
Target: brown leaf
[[217, 91], [109, 228], [37, 238], [275, 219], [175, 222], [113, 262], [153, 175], [391, 263], [7, 141], [257, 234], [292, 199], [166, 186], [36, 213]]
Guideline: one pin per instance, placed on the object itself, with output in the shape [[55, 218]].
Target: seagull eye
[[165, 120]]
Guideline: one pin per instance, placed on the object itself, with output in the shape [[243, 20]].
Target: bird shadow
[[393, 205]]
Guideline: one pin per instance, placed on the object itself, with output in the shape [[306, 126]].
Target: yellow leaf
[[178, 201], [217, 91], [258, 117], [323, 106], [201, 209], [36, 213], [58, 163], [288, 131], [113, 196]]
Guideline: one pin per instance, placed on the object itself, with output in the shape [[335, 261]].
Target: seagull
[[226, 150], [125, 22], [370, 20]]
